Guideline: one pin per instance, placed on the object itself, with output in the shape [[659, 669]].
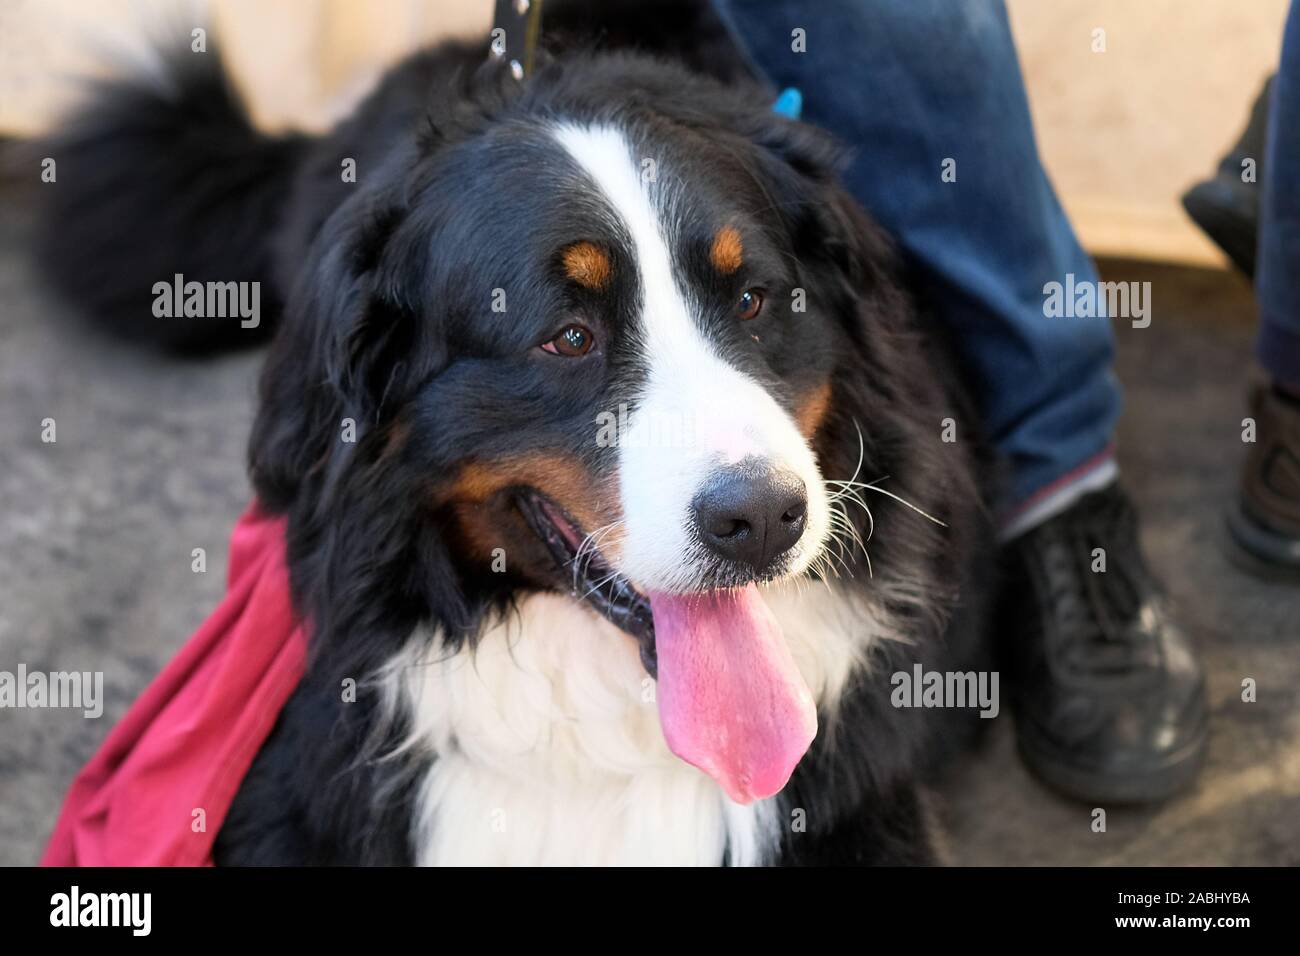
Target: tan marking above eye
[[587, 264], [727, 250]]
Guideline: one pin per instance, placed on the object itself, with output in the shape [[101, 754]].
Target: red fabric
[[190, 738]]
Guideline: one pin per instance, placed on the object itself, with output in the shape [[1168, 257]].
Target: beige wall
[[1122, 132], [300, 62]]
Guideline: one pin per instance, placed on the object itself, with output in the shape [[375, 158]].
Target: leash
[[516, 27]]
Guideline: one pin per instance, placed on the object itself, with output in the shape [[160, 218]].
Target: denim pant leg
[[909, 85], [1277, 280]]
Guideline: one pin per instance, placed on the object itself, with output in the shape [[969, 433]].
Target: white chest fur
[[548, 749]]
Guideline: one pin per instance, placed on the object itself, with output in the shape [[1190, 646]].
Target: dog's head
[[610, 336]]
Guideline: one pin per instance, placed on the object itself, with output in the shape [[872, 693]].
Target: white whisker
[[872, 486]]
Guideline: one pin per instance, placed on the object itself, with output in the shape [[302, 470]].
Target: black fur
[[383, 283]]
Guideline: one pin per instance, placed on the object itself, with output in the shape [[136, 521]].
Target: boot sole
[[1259, 551], [1227, 226], [1175, 774]]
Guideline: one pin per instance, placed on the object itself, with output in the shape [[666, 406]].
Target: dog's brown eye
[[574, 340], [749, 304]]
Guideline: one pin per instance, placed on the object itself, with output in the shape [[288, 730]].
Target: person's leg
[[1267, 524], [928, 95], [1278, 284]]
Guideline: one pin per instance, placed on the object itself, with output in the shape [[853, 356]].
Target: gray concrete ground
[[97, 529]]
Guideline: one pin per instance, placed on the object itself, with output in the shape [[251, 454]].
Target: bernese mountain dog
[[616, 458]]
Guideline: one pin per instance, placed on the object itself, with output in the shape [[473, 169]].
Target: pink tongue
[[731, 700]]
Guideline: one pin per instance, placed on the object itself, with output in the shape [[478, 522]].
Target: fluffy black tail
[[158, 178]]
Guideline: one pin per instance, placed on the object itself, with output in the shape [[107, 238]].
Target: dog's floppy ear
[[342, 360], [801, 165], [329, 444]]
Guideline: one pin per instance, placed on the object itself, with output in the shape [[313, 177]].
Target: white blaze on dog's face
[[703, 439], [738, 500]]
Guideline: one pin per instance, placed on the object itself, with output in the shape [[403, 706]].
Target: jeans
[[914, 87], [1277, 276]]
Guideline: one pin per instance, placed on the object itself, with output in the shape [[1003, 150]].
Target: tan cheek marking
[[811, 411], [586, 264], [591, 503], [727, 250]]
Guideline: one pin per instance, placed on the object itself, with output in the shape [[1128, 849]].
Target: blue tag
[[789, 103]]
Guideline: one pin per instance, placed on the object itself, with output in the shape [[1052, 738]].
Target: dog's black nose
[[751, 515]]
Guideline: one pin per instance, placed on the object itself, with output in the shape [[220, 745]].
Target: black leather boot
[[1265, 523], [1108, 696]]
